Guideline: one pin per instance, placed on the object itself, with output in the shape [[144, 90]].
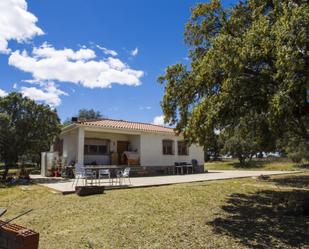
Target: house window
[[182, 148], [94, 149], [168, 147], [102, 149]]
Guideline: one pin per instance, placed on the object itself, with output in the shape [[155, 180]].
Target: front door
[[121, 147]]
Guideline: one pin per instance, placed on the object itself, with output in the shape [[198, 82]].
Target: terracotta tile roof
[[128, 125]]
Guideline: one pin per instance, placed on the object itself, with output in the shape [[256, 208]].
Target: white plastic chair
[[90, 175], [79, 173], [118, 174], [104, 174], [126, 174]]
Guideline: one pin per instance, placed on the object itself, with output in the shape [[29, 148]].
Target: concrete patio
[[64, 186]]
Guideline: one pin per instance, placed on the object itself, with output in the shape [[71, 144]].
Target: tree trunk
[[7, 166], [241, 159], [6, 171]]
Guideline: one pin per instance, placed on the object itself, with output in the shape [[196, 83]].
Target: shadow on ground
[[265, 219], [22, 182], [299, 181], [48, 180]]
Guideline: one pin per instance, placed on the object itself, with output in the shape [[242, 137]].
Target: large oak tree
[[248, 77], [26, 128]]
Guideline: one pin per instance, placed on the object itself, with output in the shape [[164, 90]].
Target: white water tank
[[48, 161]]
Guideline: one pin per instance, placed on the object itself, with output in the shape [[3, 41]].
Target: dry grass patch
[[221, 214]]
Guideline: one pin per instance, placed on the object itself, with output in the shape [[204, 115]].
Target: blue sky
[[58, 53]]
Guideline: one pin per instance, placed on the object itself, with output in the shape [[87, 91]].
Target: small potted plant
[[57, 173], [53, 169]]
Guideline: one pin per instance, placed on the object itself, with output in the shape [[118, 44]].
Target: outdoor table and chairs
[[101, 174], [183, 168]]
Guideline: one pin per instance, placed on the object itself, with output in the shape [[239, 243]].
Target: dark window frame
[[182, 148], [95, 149], [167, 150]]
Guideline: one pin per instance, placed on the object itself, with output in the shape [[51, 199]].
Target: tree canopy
[[248, 77], [26, 128], [86, 114]]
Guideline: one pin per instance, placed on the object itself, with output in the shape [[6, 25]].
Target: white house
[[109, 141]]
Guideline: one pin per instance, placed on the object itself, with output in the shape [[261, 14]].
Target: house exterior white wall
[[135, 143], [152, 152], [70, 146], [80, 145], [148, 145]]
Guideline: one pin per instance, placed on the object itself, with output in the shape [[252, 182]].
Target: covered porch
[[98, 147]]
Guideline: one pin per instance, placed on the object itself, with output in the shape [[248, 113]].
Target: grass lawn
[[256, 164], [239, 213]]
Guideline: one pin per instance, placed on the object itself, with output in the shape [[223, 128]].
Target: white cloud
[[115, 63], [107, 51], [49, 94], [144, 108], [134, 52], [3, 93], [32, 81], [16, 23], [158, 120], [79, 67], [15, 86], [47, 51]]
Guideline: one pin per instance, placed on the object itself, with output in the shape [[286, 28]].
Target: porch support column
[[175, 149], [176, 155], [140, 149], [80, 145]]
